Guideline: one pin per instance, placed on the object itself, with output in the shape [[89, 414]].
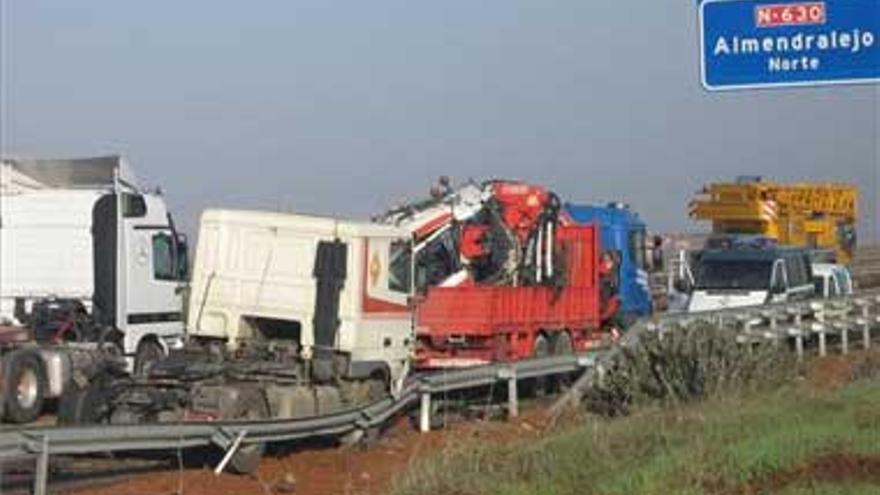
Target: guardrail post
[[774, 329], [844, 339], [230, 452], [425, 413], [866, 328], [512, 395], [799, 339], [820, 327], [747, 333], [41, 474]]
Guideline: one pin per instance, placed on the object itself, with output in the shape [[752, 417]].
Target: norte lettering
[[781, 64]]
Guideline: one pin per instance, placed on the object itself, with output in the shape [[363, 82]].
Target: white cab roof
[[22, 174], [317, 224]]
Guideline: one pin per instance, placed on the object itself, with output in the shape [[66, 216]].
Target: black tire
[[541, 347], [250, 405], [85, 406], [377, 387], [561, 344], [24, 385], [538, 386], [148, 352], [110, 342]]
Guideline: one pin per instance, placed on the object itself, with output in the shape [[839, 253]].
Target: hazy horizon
[[349, 108]]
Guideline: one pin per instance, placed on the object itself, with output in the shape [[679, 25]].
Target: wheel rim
[[542, 347], [147, 355], [27, 390], [563, 344]]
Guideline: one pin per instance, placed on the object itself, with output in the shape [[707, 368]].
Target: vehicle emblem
[[375, 268]]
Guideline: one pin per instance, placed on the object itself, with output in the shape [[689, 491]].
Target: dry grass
[[700, 414]]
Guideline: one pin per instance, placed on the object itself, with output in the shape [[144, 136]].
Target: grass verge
[[795, 439]]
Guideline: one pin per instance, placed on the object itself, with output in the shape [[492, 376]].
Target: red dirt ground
[[328, 471], [833, 371], [833, 468], [353, 471]]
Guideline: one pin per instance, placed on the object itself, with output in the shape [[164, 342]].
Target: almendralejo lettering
[[854, 41]]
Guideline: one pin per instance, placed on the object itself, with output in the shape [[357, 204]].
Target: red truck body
[[470, 325]]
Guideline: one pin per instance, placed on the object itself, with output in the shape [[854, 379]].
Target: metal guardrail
[[28, 441], [799, 321], [41, 441]]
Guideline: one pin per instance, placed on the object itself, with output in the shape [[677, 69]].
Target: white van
[[743, 276]]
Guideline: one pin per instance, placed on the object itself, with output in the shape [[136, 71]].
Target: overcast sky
[[347, 107]]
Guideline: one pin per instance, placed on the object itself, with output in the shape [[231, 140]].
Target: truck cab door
[[385, 330], [388, 279], [154, 264]]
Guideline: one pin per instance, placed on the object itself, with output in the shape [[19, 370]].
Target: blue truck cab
[[624, 233]]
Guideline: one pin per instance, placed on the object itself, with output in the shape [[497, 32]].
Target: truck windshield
[[637, 249], [734, 274], [399, 270]]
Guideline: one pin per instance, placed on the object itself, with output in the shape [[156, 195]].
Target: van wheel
[[250, 405], [24, 383], [148, 352]]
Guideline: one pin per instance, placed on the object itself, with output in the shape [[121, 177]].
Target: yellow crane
[[816, 215]]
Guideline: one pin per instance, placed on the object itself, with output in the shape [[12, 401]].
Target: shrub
[[686, 364]]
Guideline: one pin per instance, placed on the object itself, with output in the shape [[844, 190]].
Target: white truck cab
[[79, 236], [746, 276], [321, 287]]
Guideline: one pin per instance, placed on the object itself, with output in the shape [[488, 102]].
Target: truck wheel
[[541, 347], [538, 386], [85, 406], [562, 344], [148, 352], [377, 387], [24, 383], [250, 405]]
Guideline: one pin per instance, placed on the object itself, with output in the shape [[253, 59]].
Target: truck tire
[[541, 347], [561, 344], [538, 386], [84, 406], [250, 405], [148, 352], [24, 385]]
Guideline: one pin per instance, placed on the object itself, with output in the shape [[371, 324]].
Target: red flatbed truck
[[472, 325]]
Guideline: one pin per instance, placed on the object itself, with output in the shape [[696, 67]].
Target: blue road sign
[[769, 43]]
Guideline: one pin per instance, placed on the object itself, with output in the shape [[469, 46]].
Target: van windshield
[[733, 274]]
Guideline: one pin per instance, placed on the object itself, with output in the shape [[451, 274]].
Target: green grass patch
[[719, 446]]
